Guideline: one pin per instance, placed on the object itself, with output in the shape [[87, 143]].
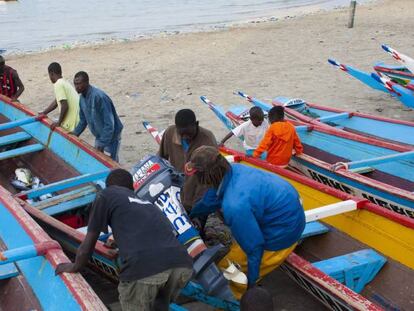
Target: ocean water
[[32, 25]]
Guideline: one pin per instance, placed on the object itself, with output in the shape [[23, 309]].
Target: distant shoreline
[[295, 11]]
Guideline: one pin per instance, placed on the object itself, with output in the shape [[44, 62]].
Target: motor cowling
[[157, 181]]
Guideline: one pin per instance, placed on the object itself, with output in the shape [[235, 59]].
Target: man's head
[[186, 124], [55, 72], [81, 82], [256, 116], [2, 63], [208, 165], [120, 177], [277, 113], [256, 299]]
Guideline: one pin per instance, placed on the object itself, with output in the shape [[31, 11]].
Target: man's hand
[[197, 224], [66, 267], [100, 148], [54, 125]]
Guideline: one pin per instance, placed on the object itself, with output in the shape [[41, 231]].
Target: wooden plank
[[8, 271], [409, 155], [330, 210], [355, 270], [69, 205], [14, 138], [335, 117], [63, 184], [68, 196], [13, 124], [20, 151]]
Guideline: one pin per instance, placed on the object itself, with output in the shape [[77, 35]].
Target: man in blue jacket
[[263, 211], [97, 111]]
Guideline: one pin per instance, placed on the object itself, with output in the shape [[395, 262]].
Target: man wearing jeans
[[97, 111], [154, 265]]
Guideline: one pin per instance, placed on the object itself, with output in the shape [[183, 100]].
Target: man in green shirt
[[66, 98]]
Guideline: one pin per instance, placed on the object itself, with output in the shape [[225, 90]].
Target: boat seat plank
[[67, 196], [14, 138], [63, 184], [20, 151], [69, 205], [16, 123], [362, 170], [355, 270], [335, 117], [8, 271], [314, 228]]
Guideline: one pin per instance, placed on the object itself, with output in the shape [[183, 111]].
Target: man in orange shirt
[[279, 140]]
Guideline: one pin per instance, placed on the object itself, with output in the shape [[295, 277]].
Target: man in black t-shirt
[[154, 265]]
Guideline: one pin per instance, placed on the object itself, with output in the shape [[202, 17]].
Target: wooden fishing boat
[[405, 94], [28, 258], [353, 164], [338, 238], [394, 131]]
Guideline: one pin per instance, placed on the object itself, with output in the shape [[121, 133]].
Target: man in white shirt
[[251, 131]]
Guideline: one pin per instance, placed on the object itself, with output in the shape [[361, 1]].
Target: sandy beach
[[150, 79]]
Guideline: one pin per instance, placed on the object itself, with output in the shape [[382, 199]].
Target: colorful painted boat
[[394, 131], [370, 227], [72, 173], [348, 162], [381, 83], [28, 258]]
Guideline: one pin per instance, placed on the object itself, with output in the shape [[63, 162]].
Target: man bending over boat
[[97, 111], [263, 212], [10, 83], [154, 265], [280, 139], [251, 131], [66, 98]]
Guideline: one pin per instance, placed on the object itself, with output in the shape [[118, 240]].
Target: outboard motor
[[155, 180]]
